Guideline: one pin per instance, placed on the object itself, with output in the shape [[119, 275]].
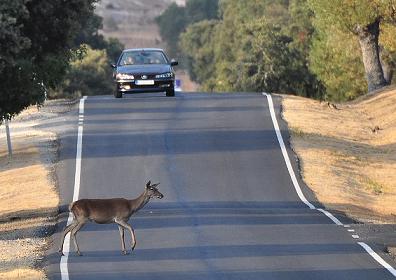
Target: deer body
[[106, 211]]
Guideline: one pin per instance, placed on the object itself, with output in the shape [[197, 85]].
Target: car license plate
[[144, 82]]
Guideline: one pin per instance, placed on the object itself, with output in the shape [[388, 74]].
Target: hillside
[[348, 152], [132, 22]]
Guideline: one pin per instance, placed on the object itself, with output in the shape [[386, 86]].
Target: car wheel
[[118, 94], [170, 92]]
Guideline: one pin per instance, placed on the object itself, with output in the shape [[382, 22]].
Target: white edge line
[[63, 261], [366, 247], [331, 216], [284, 152], [380, 260]]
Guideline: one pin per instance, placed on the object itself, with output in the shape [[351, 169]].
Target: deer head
[[152, 190]]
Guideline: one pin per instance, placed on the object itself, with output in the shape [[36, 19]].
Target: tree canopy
[[37, 43], [335, 50], [254, 46], [362, 18], [175, 19]]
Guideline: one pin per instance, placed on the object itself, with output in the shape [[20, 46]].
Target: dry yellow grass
[[348, 153], [23, 274], [28, 201], [25, 180]]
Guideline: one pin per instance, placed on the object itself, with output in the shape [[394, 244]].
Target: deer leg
[[122, 235], [73, 235], [66, 231], [126, 225]]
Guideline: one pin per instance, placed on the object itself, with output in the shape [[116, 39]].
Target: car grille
[[148, 76]]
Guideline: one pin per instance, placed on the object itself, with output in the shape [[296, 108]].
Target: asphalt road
[[230, 210]]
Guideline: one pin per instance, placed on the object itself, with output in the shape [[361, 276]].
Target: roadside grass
[[23, 274], [348, 153], [373, 186], [28, 201]]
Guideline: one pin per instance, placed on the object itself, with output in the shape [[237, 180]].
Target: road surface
[[230, 209]]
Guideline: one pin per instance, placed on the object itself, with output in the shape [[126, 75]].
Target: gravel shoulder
[[29, 198]]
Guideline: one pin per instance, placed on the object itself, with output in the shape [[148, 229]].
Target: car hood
[[144, 69]]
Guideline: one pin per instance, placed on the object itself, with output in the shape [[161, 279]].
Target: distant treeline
[[332, 50], [51, 48]]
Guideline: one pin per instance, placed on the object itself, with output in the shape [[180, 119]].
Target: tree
[[38, 45], [273, 64], [171, 23], [90, 75], [336, 59], [11, 40], [199, 10], [363, 19], [198, 45], [175, 19], [113, 49], [89, 35], [254, 46]]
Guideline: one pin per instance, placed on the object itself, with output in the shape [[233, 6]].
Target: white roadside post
[[8, 138]]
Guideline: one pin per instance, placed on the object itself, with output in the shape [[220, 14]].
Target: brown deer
[[106, 211]]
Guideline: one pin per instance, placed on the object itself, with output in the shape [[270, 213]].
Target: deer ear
[[148, 184], [156, 184]]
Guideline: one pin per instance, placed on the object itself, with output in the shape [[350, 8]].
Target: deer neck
[[139, 202]]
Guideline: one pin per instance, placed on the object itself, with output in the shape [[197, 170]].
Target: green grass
[[297, 132], [374, 186]]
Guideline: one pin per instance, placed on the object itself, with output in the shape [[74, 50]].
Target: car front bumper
[[132, 86]]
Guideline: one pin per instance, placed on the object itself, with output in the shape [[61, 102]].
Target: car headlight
[[122, 76], [165, 75]]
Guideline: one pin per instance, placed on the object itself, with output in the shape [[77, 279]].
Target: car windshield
[[142, 57]]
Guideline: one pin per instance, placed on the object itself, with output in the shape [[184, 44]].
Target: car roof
[[143, 49]]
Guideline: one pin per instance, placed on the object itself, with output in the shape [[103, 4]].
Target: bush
[[90, 75]]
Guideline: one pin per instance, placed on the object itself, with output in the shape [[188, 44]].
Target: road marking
[[355, 236], [66, 245], [289, 166], [302, 197], [351, 230], [380, 260], [284, 152], [331, 216]]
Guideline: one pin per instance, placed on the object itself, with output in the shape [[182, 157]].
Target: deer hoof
[[125, 253], [79, 253]]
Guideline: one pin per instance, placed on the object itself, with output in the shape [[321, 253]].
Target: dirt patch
[[348, 153], [29, 198]]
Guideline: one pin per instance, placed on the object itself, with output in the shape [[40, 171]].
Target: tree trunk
[[387, 66], [368, 39]]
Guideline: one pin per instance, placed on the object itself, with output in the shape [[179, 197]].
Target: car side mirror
[[174, 62], [112, 65]]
